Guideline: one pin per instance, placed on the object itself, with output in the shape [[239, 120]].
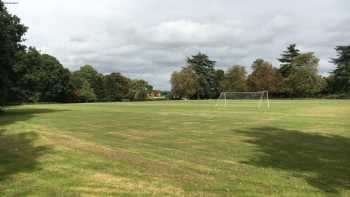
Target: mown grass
[[176, 148]]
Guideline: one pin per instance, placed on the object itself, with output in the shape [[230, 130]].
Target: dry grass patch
[[135, 135], [323, 111], [110, 184], [156, 168]]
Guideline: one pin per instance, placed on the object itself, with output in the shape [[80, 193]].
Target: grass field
[[176, 148]]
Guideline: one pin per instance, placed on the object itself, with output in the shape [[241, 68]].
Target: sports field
[[176, 148]]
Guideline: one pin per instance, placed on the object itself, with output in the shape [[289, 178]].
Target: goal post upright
[[268, 99], [225, 99], [261, 100]]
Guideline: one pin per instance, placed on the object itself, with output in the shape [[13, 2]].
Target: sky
[[149, 39]]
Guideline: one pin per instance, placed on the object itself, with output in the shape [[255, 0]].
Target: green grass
[[176, 148]]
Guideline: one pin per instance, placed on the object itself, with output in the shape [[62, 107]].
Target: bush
[[337, 96]]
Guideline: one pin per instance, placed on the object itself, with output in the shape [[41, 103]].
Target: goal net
[[259, 100]]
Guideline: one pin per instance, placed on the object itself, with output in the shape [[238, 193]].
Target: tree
[[307, 61], [11, 36], [86, 93], [98, 86], [139, 89], [177, 89], [140, 95], [204, 68], [264, 77], [341, 75], [304, 81], [116, 87], [42, 78], [235, 79], [29, 69], [286, 59], [57, 78], [186, 83], [95, 79], [219, 78]]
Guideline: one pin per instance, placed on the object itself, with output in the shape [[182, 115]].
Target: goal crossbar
[[261, 96]]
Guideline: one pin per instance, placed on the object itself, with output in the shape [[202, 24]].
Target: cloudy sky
[[149, 39]]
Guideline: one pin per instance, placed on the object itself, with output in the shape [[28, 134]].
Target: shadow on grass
[[9, 116], [322, 160], [18, 152]]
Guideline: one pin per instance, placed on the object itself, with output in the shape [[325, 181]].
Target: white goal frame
[[259, 95]]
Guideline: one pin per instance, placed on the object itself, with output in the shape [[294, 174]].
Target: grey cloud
[[150, 39]]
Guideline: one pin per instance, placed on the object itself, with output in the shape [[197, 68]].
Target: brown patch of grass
[[135, 135], [154, 168], [326, 111], [110, 184], [127, 135], [316, 129]]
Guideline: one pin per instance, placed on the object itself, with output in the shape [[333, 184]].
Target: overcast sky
[[149, 39]]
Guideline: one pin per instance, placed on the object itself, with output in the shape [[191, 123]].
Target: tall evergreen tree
[[341, 75], [204, 68], [287, 58]]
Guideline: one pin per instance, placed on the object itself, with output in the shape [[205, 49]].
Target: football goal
[[259, 100]]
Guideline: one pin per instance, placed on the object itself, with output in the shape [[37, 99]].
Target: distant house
[[154, 94]]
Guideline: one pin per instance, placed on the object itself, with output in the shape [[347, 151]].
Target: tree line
[[27, 75], [297, 77], [41, 77]]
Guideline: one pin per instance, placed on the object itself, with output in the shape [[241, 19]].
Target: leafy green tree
[[304, 81], [11, 36], [219, 78], [177, 89], [340, 82], [98, 86], [307, 61], [57, 78], [140, 95], [186, 83], [204, 68], [77, 82], [116, 87], [235, 79], [286, 59], [86, 93], [139, 89], [29, 67], [43, 78], [95, 79], [87, 72], [264, 77]]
